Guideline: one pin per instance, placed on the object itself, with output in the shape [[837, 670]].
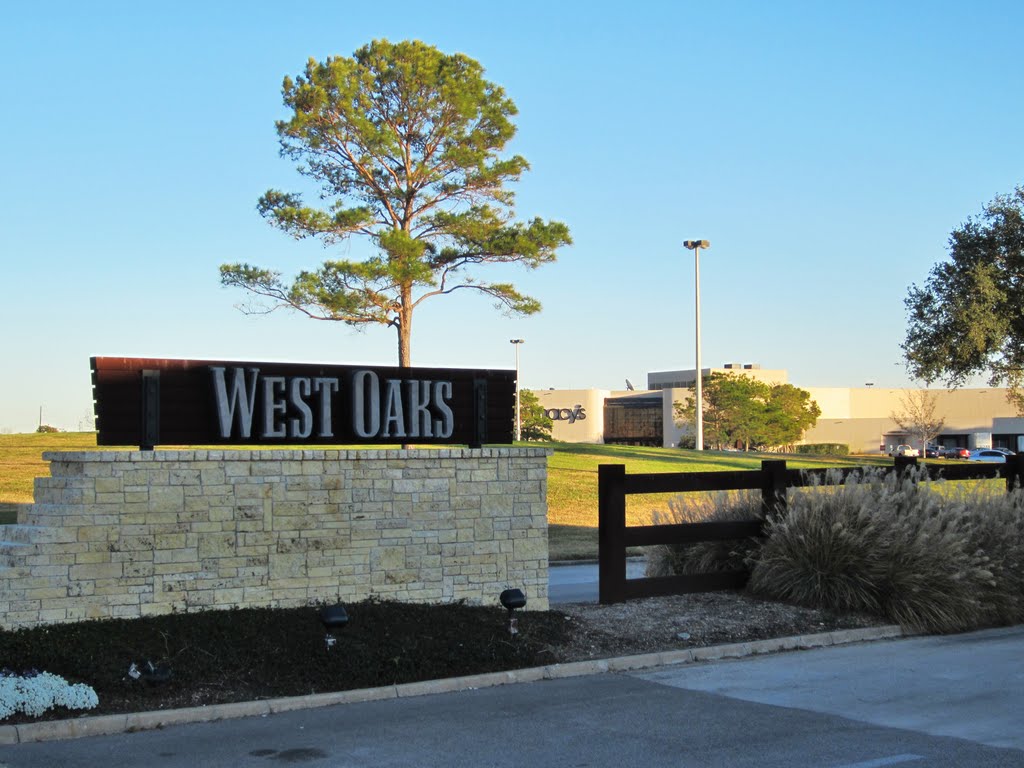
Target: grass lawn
[[21, 460], [572, 479], [572, 475]]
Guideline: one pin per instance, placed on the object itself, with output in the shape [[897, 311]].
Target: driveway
[[577, 583]]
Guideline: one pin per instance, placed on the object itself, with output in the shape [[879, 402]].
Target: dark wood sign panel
[[149, 401]]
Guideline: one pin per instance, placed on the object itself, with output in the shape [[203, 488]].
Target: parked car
[[932, 452], [956, 453], [904, 450], [1007, 451], [987, 454]]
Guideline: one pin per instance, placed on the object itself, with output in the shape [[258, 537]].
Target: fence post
[[902, 463], [1014, 472], [773, 487], [611, 533]]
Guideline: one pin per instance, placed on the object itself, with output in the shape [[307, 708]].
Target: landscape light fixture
[[512, 599], [516, 343], [334, 618], [698, 395], [150, 673]]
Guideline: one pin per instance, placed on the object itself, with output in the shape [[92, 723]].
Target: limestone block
[[531, 548], [183, 555], [91, 571], [287, 566], [388, 558], [215, 545]]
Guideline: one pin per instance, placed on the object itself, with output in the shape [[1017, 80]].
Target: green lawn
[[572, 475], [572, 479], [21, 459]]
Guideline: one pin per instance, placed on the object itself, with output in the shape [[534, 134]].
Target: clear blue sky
[[825, 149]]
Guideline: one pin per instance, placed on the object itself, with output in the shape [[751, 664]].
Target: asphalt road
[[941, 701]]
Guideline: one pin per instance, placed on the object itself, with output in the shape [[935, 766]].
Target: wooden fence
[[773, 480]]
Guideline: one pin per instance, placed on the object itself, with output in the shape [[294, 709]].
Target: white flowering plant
[[34, 692]]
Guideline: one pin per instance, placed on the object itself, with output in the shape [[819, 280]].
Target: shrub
[[705, 556], [903, 549], [46, 428], [33, 693], [824, 449]]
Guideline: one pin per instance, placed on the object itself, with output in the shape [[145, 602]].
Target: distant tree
[[742, 410], [46, 428], [405, 145], [789, 412], [533, 424], [733, 409], [968, 318], [917, 416]]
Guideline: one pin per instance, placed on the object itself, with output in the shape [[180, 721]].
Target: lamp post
[[695, 246], [516, 343]]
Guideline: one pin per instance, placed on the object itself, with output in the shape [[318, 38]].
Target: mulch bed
[[248, 654]]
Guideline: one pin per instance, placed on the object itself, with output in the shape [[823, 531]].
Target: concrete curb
[[102, 725]]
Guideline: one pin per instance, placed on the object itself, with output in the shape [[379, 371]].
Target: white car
[[988, 454], [904, 450]]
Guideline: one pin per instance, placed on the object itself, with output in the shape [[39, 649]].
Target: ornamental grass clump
[[705, 556], [914, 551]]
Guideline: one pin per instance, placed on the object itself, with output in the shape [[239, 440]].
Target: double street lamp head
[[693, 245]]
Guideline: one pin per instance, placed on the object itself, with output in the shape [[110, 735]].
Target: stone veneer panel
[[125, 534]]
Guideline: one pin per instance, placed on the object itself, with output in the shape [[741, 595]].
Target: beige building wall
[[862, 417], [672, 431], [686, 378], [577, 414]]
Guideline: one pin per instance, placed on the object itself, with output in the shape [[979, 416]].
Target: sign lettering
[[286, 406], [572, 415]]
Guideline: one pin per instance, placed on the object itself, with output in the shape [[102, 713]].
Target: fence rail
[[773, 480]]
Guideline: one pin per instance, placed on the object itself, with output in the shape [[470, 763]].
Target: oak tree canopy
[[968, 317]]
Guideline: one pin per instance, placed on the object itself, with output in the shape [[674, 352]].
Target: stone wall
[[125, 534]]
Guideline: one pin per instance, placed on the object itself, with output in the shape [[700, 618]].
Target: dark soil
[[238, 655]]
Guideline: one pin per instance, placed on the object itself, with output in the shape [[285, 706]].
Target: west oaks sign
[[146, 402], [254, 406]]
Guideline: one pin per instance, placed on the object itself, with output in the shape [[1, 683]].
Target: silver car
[[988, 454]]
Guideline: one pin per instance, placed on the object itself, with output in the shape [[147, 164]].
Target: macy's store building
[[860, 417]]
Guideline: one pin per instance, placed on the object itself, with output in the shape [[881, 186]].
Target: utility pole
[[695, 246], [518, 430]]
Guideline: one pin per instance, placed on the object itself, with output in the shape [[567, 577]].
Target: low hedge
[[824, 449]]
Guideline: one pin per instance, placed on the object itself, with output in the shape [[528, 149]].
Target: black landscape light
[[512, 599], [334, 618], [150, 673]]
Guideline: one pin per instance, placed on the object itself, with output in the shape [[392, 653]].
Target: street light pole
[[516, 343], [695, 246]]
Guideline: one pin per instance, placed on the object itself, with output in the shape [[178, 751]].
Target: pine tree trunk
[[405, 329]]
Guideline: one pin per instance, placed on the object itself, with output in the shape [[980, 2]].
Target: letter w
[[228, 403]]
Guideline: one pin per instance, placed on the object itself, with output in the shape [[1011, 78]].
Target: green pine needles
[[405, 144]]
